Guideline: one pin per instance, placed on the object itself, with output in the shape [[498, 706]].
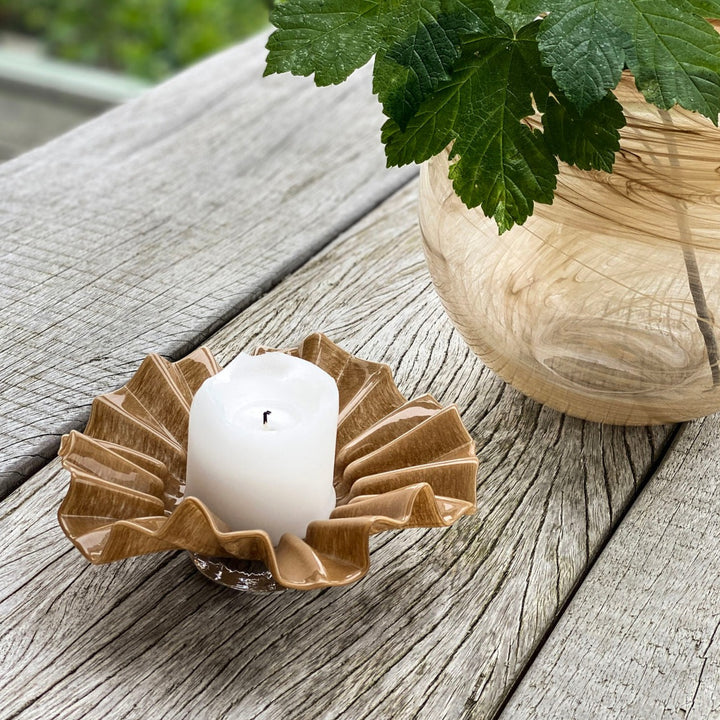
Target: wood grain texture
[[602, 304], [445, 619], [640, 638], [149, 227]]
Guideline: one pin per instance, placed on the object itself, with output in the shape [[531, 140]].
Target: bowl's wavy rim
[[399, 464]]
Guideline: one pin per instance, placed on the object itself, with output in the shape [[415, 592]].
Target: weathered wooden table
[[226, 209]]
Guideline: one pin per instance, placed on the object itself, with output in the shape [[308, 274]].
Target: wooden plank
[[640, 638], [151, 226], [444, 622]]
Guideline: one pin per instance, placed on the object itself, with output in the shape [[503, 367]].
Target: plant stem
[[704, 317]]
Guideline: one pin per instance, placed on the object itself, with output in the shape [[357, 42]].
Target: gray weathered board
[[446, 619], [147, 228], [640, 639]]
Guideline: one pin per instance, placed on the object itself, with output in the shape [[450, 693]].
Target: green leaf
[[413, 67], [454, 73], [500, 163], [677, 57], [585, 49], [410, 71], [416, 43], [333, 38], [673, 53], [330, 38], [588, 141]]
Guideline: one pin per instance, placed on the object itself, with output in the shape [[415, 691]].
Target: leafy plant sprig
[[468, 73]]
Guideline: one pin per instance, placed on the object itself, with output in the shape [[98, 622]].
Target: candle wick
[[265, 416]]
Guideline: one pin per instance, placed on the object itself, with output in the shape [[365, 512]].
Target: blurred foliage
[[148, 38]]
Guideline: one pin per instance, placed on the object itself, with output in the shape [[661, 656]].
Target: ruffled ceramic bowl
[[399, 464]]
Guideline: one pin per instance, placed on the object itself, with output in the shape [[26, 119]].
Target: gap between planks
[[672, 441], [640, 637]]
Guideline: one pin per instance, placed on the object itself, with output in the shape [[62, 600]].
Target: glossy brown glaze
[[399, 464]]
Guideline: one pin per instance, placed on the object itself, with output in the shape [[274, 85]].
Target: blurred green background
[[147, 38]]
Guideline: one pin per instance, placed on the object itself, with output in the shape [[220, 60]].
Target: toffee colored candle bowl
[[399, 464]]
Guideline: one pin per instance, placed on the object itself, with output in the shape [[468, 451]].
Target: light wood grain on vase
[[604, 304]]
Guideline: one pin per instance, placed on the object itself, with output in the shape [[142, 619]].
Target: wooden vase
[[604, 304]]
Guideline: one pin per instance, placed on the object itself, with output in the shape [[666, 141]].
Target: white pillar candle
[[261, 446]]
